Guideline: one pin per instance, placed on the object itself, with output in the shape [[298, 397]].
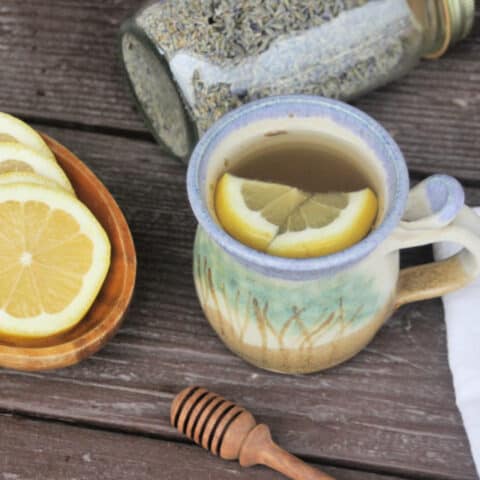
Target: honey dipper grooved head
[[211, 421]]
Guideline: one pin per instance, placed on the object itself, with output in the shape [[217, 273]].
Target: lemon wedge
[[54, 256], [287, 222], [15, 157], [12, 129]]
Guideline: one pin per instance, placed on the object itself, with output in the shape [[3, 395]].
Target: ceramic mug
[[304, 315]]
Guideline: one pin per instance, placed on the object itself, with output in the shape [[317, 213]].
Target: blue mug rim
[[300, 105]]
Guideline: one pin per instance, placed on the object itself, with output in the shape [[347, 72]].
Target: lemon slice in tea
[[326, 223], [15, 157], [253, 211], [288, 222], [12, 129], [54, 256]]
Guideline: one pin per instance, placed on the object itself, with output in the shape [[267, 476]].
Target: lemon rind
[[246, 225], [10, 178], [40, 164], [24, 134], [352, 225]]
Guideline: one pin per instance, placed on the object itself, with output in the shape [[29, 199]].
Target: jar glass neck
[[430, 15]]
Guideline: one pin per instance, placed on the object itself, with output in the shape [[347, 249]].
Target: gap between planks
[[183, 441], [39, 122]]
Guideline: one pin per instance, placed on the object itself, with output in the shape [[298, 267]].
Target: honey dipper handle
[[259, 448]]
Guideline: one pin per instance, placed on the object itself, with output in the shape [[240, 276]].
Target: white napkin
[[462, 316]]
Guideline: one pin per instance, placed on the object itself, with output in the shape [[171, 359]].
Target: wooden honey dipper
[[232, 433]]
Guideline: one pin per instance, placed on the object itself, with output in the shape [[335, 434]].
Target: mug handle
[[436, 212]]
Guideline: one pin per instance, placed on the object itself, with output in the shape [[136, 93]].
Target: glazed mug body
[[293, 326], [306, 315]]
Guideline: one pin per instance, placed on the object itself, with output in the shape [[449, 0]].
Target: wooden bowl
[[108, 310]]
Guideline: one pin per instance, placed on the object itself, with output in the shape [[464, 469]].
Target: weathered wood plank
[[434, 112], [31, 450], [59, 62], [390, 408]]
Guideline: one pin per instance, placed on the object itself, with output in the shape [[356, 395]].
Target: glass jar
[[189, 62]]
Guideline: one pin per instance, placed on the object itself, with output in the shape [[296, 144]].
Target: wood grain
[[391, 408], [36, 450], [106, 314], [434, 112], [227, 430], [259, 449], [59, 62]]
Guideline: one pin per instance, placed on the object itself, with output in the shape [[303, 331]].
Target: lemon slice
[[13, 129], [27, 177], [252, 211], [18, 158], [288, 222], [54, 256]]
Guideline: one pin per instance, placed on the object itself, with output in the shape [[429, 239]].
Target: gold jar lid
[[458, 17]]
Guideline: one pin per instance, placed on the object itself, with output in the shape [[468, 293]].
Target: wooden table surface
[[387, 414]]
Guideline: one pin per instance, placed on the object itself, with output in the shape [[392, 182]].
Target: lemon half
[[287, 222], [54, 257]]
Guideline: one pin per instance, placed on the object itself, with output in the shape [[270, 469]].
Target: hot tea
[[296, 195], [308, 166]]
